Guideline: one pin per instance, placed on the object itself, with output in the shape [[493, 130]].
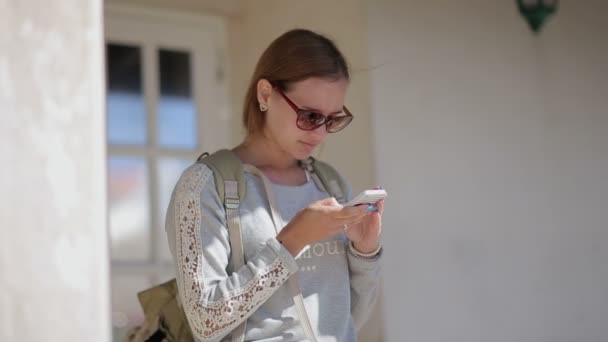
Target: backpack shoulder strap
[[164, 315], [226, 166], [230, 182], [327, 178]]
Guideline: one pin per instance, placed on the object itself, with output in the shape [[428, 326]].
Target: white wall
[[53, 250], [493, 145], [260, 22]]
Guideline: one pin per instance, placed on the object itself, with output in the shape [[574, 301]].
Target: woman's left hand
[[365, 234]]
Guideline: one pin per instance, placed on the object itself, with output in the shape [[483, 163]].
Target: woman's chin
[[306, 150], [302, 154]]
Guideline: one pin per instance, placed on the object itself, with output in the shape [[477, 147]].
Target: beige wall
[[206, 7], [493, 145], [345, 21], [53, 248]]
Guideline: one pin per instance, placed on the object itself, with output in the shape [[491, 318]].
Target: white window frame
[[204, 37]]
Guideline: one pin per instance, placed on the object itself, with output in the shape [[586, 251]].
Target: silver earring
[[263, 107]]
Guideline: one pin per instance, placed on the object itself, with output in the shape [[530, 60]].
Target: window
[[166, 104]]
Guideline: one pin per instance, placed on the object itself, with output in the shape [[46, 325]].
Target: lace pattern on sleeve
[[209, 318]]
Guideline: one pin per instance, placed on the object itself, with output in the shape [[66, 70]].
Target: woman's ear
[[264, 90]]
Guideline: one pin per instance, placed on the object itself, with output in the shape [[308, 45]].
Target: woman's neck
[[263, 153]]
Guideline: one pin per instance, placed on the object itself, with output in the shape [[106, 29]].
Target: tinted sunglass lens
[[337, 123], [310, 120]]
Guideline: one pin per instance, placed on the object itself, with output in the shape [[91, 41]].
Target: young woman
[[295, 99]]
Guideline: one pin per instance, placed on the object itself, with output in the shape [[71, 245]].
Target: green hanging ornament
[[536, 12]]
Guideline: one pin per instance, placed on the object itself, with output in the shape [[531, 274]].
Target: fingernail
[[371, 208]]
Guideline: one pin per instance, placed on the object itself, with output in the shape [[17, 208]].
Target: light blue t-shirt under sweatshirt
[[338, 287]]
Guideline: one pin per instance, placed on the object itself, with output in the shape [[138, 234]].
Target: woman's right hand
[[320, 220]]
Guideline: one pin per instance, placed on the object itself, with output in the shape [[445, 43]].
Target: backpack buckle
[[231, 194], [232, 203]]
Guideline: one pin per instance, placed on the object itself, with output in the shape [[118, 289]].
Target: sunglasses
[[309, 120]]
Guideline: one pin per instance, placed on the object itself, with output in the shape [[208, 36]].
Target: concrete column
[[54, 278]]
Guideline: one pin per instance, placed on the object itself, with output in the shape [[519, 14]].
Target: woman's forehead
[[319, 94]]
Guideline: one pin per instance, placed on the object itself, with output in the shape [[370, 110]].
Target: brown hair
[[294, 56]]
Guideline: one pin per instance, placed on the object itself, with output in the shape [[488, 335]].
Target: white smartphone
[[369, 197]]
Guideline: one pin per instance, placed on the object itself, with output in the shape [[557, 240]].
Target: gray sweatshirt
[[338, 287]]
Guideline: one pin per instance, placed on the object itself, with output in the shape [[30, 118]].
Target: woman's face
[[317, 94]]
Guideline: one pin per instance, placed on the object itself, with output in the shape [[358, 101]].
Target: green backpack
[[165, 320]]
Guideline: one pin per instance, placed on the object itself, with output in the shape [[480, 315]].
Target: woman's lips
[[309, 145]]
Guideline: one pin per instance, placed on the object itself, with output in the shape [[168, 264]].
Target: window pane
[[129, 208], [126, 310], [176, 109], [169, 171], [126, 104]]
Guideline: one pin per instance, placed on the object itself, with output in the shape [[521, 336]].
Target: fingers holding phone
[[320, 220]]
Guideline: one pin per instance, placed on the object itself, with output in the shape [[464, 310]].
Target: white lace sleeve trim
[[211, 318]]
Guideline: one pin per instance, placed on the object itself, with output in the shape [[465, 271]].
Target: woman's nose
[[321, 131]]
